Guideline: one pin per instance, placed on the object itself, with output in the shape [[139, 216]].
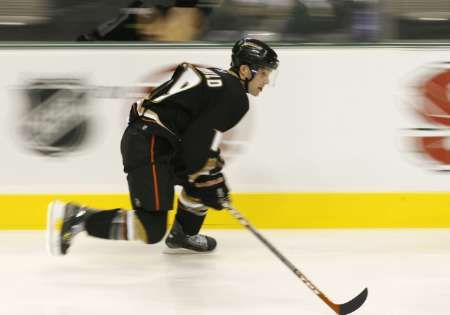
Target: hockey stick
[[340, 309]]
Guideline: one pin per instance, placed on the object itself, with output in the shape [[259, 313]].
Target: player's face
[[259, 81]]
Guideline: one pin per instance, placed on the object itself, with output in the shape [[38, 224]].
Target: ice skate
[[177, 240], [64, 221]]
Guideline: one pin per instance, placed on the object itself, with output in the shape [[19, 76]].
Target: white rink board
[[332, 122]]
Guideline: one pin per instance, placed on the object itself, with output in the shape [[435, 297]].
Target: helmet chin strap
[[247, 81]]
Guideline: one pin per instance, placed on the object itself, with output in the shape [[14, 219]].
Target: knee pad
[[150, 226]]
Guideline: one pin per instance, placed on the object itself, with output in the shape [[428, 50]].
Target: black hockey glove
[[211, 189]]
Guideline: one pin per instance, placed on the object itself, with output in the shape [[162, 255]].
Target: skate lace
[[198, 240]]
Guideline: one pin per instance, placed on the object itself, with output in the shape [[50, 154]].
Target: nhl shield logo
[[54, 121]]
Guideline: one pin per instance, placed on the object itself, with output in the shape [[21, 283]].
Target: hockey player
[[172, 139]]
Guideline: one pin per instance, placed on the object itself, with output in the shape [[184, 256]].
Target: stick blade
[[354, 304]]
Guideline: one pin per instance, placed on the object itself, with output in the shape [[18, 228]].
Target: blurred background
[[335, 21]]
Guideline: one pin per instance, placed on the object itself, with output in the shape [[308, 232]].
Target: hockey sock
[[119, 224], [99, 223], [190, 219], [114, 224], [150, 226]]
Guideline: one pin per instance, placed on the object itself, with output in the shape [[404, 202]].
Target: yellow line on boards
[[267, 210]]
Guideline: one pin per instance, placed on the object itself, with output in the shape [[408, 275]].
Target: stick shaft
[[237, 215]]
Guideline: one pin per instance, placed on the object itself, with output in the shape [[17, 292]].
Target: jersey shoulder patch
[[184, 78]]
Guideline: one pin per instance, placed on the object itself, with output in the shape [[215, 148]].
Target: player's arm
[[200, 139], [204, 179]]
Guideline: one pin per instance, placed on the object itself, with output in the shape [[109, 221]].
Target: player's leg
[[66, 220], [188, 221], [151, 192]]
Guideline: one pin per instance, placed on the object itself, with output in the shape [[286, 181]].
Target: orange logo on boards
[[428, 138], [436, 105], [435, 108]]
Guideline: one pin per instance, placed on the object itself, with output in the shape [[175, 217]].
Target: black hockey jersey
[[193, 106]]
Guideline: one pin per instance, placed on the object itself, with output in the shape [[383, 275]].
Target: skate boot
[[64, 221], [198, 243]]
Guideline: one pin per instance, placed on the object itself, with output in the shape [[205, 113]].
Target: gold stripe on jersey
[[148, 116]]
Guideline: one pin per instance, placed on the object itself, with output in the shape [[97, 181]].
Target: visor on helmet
[[272, 74]]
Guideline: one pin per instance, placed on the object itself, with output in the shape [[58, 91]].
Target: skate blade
[[184, 251], [55, 219]]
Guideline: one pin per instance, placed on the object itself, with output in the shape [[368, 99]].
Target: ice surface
[[407, 272]]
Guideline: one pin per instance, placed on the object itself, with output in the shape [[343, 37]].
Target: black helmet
[[253, 53]]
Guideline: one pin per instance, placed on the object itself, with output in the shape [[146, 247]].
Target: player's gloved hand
[[210, 189]]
